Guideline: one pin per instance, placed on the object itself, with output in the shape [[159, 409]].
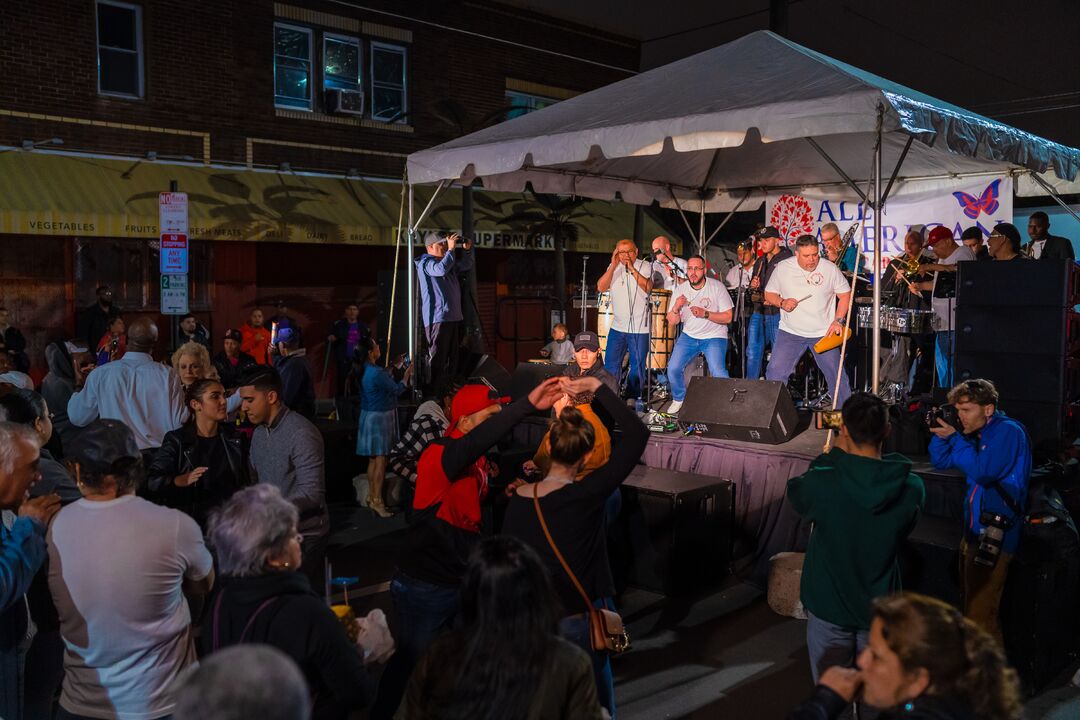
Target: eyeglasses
[[995, 235]]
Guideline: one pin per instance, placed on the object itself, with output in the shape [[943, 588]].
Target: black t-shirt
[[763, 269]]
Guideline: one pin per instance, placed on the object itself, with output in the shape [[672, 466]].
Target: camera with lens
[[947, 414], [995, 525]]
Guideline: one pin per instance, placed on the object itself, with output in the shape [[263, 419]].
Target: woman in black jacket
[[262, 598], [923, 661], [202, 463], [573, 510]]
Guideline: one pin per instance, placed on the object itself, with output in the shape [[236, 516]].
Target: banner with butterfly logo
[[957, 204]]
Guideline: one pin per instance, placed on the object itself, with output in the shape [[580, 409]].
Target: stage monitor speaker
[[528, 375], [737, 409], [1047, 283], [674, 532], [490, 371], [929, 558]]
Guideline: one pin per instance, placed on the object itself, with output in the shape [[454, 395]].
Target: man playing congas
[[628, 283], [813, 297], [704, 308]]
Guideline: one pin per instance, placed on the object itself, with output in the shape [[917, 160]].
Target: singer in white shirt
[[668, 271], [627, 281], [703, 306]]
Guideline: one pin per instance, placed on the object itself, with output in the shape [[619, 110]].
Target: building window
[[523, 103], [292, 67], [130, 266], [119, 49], [388, 88], [341, 63]]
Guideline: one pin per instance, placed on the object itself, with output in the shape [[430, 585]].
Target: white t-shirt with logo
[[116, 569], [945, 308], [629, 303], [813, 315], [661, 275], [713, 297]]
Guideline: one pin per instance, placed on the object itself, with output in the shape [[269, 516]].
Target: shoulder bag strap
[[215, 640], [555, 549]]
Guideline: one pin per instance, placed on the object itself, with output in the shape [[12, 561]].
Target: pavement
[[723, 653]]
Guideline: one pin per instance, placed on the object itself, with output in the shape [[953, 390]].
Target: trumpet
[[909, 266]]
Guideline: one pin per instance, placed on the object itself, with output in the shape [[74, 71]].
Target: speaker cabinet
[[736, 409], [1048, 283]]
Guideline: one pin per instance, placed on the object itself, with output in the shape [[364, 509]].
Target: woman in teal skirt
[[378, 429]]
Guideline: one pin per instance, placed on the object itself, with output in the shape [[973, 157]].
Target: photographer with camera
[[863, 505], [972, 435]]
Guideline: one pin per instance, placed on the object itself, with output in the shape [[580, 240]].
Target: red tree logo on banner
[[792, 216]]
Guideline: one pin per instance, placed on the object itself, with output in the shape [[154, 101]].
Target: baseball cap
[[434, 237], [473, 398], [100, 444], [286, 335], [768, 232], [586, 340], [938, 234], [234, 334]]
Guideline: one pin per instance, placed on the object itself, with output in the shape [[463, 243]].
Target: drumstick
[[804, 299]]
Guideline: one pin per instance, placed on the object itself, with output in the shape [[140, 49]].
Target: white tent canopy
[[735, 120]]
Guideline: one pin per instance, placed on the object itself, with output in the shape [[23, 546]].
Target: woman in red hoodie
[[451, 480]]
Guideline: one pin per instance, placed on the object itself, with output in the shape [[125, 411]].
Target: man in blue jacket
[[448, 255], [995, 454]]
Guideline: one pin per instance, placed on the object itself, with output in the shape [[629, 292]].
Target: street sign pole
[[173, 254]]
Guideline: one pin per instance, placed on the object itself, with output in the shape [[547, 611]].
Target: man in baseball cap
[[231, 362], [588, 362], [439, 269]]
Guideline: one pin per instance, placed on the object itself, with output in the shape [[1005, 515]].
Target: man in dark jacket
[[191, 330], [1043, 245], [346, 333], [14, 343], [231, 362], [94, 320], [297, 384], [862, 505]]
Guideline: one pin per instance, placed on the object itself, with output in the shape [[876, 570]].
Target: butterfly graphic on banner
[[985, 203]]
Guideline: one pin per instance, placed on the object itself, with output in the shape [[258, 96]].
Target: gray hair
[[253, 526], [10, 435], [243, 682]]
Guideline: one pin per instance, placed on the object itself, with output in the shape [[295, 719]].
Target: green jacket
[[862, 509]]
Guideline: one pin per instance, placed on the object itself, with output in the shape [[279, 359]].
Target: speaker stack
[[1015, 326]]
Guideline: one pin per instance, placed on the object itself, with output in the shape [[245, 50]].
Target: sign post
[[173, 228]]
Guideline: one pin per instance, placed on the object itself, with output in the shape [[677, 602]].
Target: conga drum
[[603, 319], [661, 332]]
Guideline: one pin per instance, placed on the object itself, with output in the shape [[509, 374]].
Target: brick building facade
[[241, 87]]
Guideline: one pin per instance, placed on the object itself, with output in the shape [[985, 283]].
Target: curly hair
[[963, 661], [198, 351]]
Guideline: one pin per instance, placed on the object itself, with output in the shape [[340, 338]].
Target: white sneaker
[[674, 407]]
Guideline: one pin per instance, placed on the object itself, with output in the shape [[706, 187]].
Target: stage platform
[[765, 524]]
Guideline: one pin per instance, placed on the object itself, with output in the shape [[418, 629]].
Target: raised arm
[[625, 453]]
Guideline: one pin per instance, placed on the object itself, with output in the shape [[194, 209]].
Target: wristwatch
[[706, 314]]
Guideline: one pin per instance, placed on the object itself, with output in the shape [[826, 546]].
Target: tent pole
[[423, 215], [726, 219], [410, 269], [896, 170], [875, 363], [701, 229], [1054, 194], [393, 282], [686, 222], [839, 170]]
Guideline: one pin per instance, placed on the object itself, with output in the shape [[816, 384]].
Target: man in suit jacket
[[1043, 245]]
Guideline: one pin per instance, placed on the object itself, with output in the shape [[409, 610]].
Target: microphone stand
[[740, 306], [584, 293]]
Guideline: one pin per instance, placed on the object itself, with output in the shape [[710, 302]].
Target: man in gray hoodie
[[287, 452]]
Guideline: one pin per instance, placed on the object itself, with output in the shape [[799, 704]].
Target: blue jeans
[[618, 343], [62, 714], [830, 645], [423, 610], [761, 331], [575, 628], [943, 358], [789, 348], [686, 348]]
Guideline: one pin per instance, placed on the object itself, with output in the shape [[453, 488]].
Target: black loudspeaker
[[736, 409], [528, 375], [400, 340], [929, 559], [1019, 330], [1046, 283], [674, 533], [1033, 378], [489, 371]]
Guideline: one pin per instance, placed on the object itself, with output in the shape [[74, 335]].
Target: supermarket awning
[[64, 194]]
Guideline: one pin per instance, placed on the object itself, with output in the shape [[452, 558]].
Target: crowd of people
[[165, 525]]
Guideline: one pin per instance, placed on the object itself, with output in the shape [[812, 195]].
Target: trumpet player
[[947, 253]]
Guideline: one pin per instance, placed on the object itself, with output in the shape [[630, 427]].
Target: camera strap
[[1007, 499]]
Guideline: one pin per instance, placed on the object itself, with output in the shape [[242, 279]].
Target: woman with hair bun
[[573, 508], [924, 661]]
